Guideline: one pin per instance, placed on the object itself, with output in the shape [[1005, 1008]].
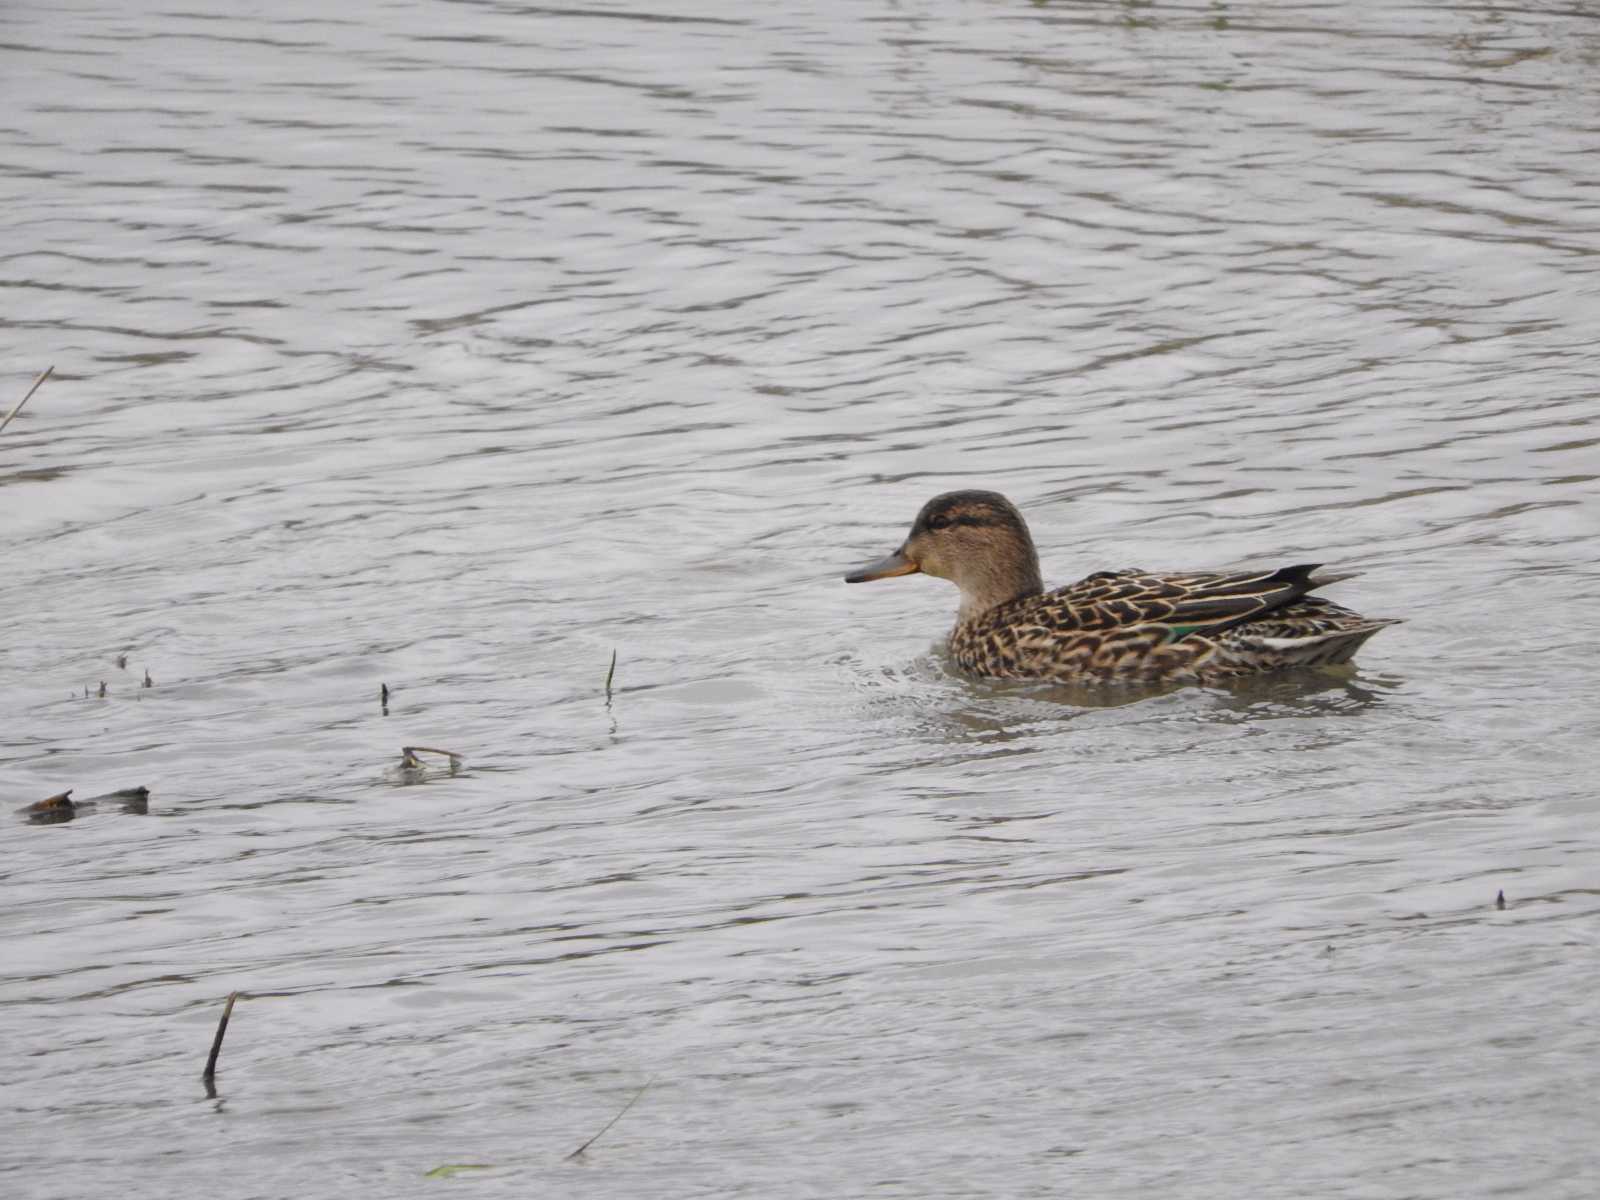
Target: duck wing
[[1181, 603]]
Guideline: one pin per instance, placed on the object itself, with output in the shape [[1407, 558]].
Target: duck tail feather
[[1324, 578], [1317, 649]]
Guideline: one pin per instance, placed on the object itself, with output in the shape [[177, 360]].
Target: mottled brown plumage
[[1115, 626]]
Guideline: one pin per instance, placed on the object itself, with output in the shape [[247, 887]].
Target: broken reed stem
[[634, 1100], [409, 759], [45, 374], [216, 1042], [609, 675]]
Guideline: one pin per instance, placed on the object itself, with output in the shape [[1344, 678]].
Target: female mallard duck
[[1115, 626]]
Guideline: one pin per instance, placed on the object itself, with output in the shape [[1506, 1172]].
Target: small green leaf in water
[[449, 1170]]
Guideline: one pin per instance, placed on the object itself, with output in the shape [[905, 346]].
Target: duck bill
[[896, 564]]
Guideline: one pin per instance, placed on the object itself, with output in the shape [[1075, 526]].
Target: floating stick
[[408, 756]]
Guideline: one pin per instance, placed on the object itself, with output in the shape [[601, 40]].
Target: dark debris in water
[[62, 807], [51, 809]]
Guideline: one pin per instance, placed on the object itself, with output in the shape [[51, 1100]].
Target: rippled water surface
[[451, 346]]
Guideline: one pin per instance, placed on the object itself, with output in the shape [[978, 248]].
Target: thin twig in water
[[45, 374], [609, 675], [611, 1122], [216, 1043]]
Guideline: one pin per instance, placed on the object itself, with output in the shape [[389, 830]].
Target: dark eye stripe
[[941, 521]]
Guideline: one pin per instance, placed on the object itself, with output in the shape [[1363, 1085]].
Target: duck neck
[[999, 583]]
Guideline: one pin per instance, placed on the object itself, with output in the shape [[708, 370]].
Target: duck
[[1127, 626]]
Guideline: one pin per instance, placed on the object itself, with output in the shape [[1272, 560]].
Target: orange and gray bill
[[896, 564]]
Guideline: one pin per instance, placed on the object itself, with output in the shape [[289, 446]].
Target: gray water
[[451, 346]]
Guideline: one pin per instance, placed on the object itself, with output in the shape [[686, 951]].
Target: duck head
[[977, 540]]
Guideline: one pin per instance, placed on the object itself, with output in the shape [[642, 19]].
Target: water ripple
[[456, 349]]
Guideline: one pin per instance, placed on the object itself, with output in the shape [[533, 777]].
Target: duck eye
[[939, 522]]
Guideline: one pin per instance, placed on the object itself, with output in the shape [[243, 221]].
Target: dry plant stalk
[[45, 374], [634, 1100], [216, 1042]]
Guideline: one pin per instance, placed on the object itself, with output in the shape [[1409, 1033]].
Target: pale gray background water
[[451, 345]]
